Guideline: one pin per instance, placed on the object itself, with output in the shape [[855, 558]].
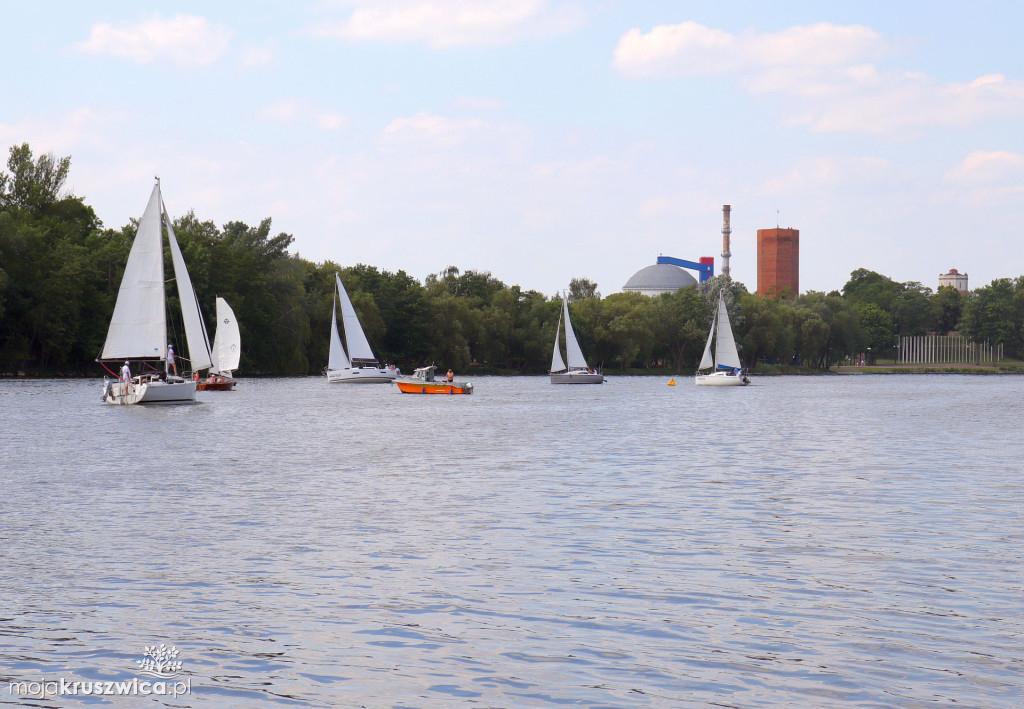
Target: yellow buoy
[[671, 382]]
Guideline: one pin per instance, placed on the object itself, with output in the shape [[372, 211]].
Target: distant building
[[659, 278], [954, 279], [778, 262]]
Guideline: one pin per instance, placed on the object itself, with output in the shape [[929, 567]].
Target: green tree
[[765, 334], [867, 286], [878, 333], [949, 305], [679, 325], [811, 336], [995, 314], [581, 289], [32, 185], [52, 285], [842, 321]]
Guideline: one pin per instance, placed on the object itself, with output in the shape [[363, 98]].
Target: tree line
[[60, 270]]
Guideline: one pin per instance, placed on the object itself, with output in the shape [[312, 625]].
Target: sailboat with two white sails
[[226, 352], [138, 327], [578, 372], [724, 363], [358, 365]]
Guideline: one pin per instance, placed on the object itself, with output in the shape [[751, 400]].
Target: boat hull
[[362, 375], [721, 379], [577, 378], [434, 387], [153, 391], [222, 384]]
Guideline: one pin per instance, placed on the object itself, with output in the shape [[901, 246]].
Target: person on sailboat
[[126, 375], [170, 359]]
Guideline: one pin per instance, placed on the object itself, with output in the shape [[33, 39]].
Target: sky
[[543, 140]]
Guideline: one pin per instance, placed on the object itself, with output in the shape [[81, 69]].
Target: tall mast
[[726, 233]]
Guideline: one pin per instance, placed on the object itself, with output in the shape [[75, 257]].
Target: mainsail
[[707, 360], [557, 364], [726, 355], [337, 359], [138, 327]]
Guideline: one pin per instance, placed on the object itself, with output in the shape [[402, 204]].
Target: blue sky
[[544, 140]]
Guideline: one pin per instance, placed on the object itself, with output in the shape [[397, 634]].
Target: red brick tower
[[778, 262]]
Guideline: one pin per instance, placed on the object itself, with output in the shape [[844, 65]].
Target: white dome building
[[659, 278]]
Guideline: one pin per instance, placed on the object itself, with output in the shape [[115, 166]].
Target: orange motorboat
[[422, 381]]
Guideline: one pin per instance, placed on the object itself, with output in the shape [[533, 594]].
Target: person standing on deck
[[170, 359]]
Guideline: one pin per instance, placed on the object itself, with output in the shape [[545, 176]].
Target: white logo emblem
[[160, 662]]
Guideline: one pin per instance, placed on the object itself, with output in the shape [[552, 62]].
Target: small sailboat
[[577, 372], [727, 370], [226, 353], [359, 364], [138, 326]]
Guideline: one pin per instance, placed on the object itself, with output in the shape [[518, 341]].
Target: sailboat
[[227, 350], [577, 372], [359, 364], [727, 370], [138, 327]]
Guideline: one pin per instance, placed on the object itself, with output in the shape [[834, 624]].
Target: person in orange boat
[[450, 377]]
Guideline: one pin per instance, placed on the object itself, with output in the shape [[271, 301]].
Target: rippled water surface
[[803, 542]]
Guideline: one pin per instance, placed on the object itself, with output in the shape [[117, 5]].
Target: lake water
[[803, 542]]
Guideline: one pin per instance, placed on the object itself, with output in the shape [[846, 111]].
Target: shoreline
[[770, 371], [1014, 368]]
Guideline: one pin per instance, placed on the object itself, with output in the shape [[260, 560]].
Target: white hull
[[150, 392], [362, 375], [721, 379], [577, 378]]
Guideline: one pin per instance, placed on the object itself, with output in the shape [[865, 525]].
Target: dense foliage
[[60, 270]]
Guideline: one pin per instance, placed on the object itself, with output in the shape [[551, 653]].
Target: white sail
[[572, 347], [707, 360], [355, 339], [726, 354], [195, 330], [557, 365], [138, 328], [337, 359], [227, 342]]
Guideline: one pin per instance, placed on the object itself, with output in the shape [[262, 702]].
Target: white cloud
[[691, 49], [326, 120], [574, 170], [986, 166], [186, 40], [257, 55], [80, 127], [827, 68], [280, 112], [827, 173], [297, 111], [477, 103], [428, 130], [451, 23], [905, 102]]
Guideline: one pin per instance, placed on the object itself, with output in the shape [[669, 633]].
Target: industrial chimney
[[726, 233]]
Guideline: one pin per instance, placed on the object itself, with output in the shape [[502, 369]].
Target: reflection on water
[[803, 542]]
